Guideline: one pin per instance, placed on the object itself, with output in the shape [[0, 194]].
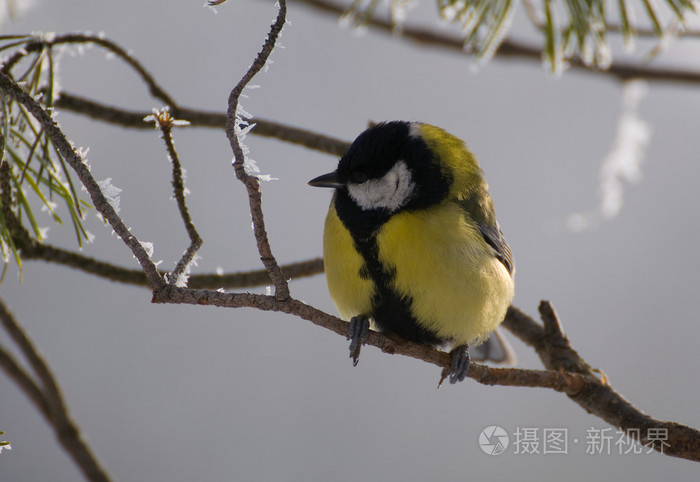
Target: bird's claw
[[459, 365], [358, 333]]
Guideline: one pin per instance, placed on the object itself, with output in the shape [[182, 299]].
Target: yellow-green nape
[[455, 157]]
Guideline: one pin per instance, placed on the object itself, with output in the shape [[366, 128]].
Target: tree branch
[[101, 203], [22, 379], [233, 131], [388, 343], [597, 396], [48, 398], [509, 48], [42, 42], [165, 123], [200, 118], [580, 384], [265, 128], [34, 250]]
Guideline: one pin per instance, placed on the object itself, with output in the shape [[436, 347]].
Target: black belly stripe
[[390, 311]]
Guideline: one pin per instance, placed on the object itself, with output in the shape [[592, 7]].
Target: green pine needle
[[37, 173]]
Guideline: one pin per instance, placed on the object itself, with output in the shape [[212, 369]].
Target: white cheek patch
[[391, 191]]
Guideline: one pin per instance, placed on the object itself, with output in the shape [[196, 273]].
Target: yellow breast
[[351, 293], [459, 289]]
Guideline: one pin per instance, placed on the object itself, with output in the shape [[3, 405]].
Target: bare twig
[[22, 379], [427, 37], [388, 343], [585, 389], [48, 399], [200, 118], [9, 87], [33, 250], [165, 123], [39, 43], [245, 279], [553, 348], [252, 183], [598, 397]]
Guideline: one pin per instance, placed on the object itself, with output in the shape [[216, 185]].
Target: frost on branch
[[242, 129], [110, 192], [164, 120]]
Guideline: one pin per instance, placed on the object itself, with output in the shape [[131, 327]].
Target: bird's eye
[[359, 177]]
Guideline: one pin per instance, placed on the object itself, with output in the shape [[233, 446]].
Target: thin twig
[[34, 250], [22, 379], [201, 118], [39, 43], [509, 48], [103, 206], [585, 389], [553, 349], [252, 183], [51, 403], [165, 123], [299, 269]]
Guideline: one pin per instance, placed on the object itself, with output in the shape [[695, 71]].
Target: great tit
[[411, 242]]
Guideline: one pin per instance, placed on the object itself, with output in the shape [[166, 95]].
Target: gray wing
[[494, 237]]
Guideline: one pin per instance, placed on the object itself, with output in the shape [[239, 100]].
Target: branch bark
[[598, 397], [47, 397], [9, 87], [200, 118], [165, 122], [567, 372], [252, 183]]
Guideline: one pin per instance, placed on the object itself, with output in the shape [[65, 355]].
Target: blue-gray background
[[181, 393]]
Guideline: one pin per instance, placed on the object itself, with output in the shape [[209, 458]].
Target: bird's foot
[[358, 333], [459, 365]]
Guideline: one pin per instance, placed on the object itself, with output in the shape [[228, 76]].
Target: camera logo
[[493, 440]]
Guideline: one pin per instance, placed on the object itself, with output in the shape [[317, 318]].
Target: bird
[[411, 244]]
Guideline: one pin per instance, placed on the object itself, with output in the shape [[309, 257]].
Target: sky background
[[181, 393]]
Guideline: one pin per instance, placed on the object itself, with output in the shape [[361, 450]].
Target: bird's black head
[[388, 168], [376, 151]]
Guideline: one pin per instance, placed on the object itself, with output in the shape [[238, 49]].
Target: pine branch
[[508, 49], [10, 88]]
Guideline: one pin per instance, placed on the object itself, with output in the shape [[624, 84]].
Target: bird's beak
[[326, 180]]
